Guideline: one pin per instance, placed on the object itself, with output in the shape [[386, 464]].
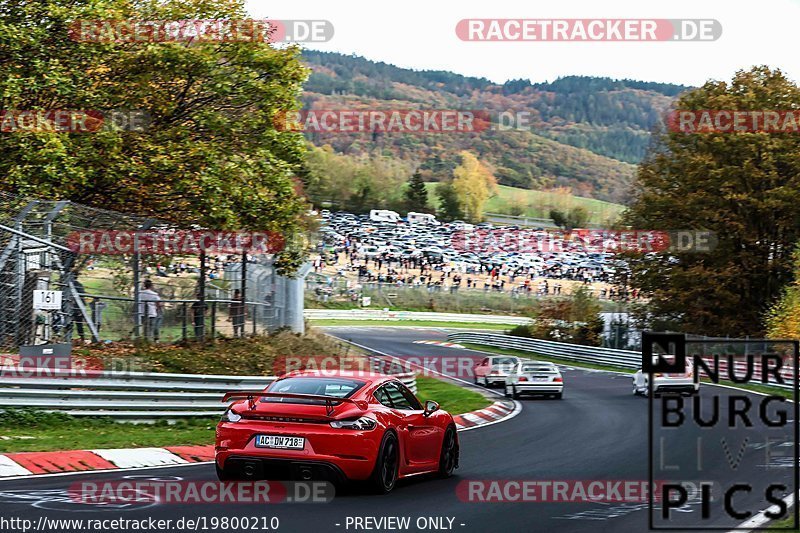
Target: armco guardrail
[[593, 354], [569, 352], [130, 395], [379, 314]]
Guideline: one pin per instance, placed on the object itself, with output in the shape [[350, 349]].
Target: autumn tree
[[742, 186], [354, 183], [473, 183], [518, 204], [211, 154], [783, 318]]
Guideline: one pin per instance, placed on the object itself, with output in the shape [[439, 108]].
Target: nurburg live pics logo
[[730, 443]]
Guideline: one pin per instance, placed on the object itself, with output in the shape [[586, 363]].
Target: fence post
[[243, 289], [184, 321], [202, 296], [213, 320], [135, 264]]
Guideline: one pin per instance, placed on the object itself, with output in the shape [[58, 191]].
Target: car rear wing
[[251, 397]]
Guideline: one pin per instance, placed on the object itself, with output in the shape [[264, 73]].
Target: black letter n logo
[[656, 345]]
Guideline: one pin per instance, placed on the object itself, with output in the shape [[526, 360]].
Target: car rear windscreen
[[338, 387]]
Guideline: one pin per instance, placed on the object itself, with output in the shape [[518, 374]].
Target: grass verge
[[35, 431], [452, 398], [412, 323]]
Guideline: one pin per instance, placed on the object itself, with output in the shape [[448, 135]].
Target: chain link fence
[[50, 293]]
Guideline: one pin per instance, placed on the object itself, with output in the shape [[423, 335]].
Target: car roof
[[366, 376]]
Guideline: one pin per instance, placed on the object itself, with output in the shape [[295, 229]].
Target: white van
[[384, 215], [422, 218]]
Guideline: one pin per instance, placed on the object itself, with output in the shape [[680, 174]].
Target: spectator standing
[[198, 317], [97, 313], [150, 310], [237, 312], [77, 316]]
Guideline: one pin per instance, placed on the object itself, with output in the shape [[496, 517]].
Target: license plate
[[280, 441], [540, 379]]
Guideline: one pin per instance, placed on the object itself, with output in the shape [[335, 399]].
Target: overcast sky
[[420, 34]]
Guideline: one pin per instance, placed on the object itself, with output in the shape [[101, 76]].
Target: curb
[[497, 412], [36, 463], [440, 343]]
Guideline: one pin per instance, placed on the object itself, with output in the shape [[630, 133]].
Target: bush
[[523, 330], [574, 319], [246, 356]]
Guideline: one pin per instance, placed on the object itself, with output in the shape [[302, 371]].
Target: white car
[[681, 383], [493, 370], [534, 378]]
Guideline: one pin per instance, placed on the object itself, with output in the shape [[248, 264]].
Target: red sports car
[[336, 426]]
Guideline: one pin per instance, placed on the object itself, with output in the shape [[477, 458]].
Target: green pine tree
[[416, 194]]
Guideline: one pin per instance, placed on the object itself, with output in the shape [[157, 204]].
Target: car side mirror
[[430, 407]]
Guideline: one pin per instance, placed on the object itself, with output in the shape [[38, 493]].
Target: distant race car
[[680, 383], [493, 370], [535, 378], [334, 426]]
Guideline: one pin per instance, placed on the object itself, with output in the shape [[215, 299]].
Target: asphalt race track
[[599, 431]]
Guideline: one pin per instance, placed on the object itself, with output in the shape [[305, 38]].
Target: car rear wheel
[[514, 393], [448, 459], [384, 476], [508, 392], [558, 395]]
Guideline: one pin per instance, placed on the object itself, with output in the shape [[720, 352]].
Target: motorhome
[[422, 218], [384, 215]]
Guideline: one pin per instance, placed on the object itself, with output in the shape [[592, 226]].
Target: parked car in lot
[[674, 382], [337, 426], [517, 253], [493, 370], [534, 378]]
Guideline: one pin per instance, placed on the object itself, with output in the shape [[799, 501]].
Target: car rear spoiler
[[251, 397]]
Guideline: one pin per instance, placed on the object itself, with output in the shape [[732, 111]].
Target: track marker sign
[[47, 300], [721, 456]]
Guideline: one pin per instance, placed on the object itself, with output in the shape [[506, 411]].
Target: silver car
[[535, 378]]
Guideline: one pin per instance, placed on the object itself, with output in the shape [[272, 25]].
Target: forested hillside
[[585, 133]]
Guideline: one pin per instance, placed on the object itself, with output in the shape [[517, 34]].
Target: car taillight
[[559, 379], [231, 416], [657, 375], [361, 424], [523, 378]]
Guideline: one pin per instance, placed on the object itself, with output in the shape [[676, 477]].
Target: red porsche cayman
[[336, 426]]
